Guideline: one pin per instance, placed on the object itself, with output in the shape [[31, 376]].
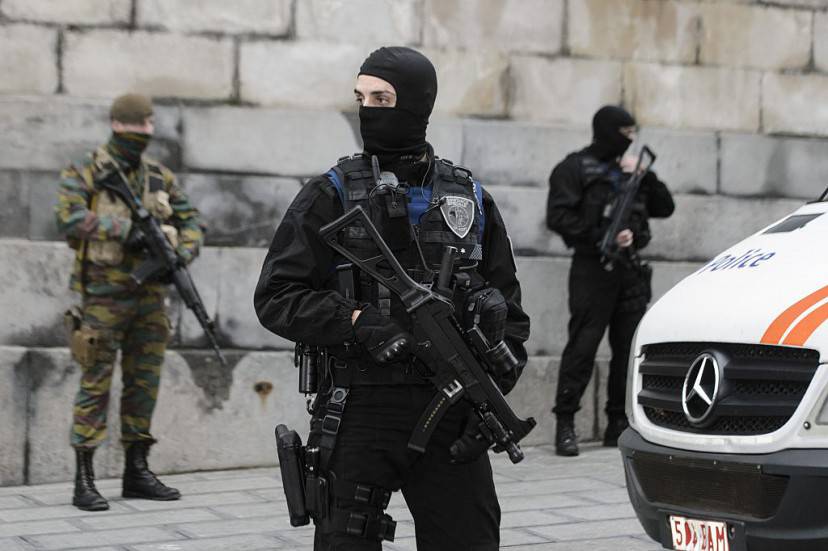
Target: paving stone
[[562, 90], [285, 150], [131, 520], [637, 29], [28, 512], [520, 519], [499, 24], [724, 42], [609, 544], [198, 500], [788, 104], [250, 542], [242, 16], [36, 527], [228, 527], [518, 153], [239, 210], [12, 502], [397, 22], [305, 74], [106, 537], [247, 510], [14, 544], [547, 487], [29, 63], [76, 12], [601, 512], [693, 97], [525, 503], [576, 531], [756, 165], [150, 63]]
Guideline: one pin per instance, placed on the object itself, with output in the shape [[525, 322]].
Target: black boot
[[86, 496], [566, 443], [141, 482], [615, 426]]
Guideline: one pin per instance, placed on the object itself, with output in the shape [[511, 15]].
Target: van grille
[[732, 488], [761, 385]]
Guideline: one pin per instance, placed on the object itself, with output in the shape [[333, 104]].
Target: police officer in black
[[368, 406], [581, 190]]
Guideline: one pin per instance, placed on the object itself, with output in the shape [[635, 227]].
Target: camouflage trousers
[[138, 326]]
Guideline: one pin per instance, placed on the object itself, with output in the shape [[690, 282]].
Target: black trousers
[[598, 299], [454, 507]]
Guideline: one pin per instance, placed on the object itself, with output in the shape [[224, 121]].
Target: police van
[[727, 400]]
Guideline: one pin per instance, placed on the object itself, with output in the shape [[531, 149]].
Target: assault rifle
[[457, 357], [621, 211], [163, 261]]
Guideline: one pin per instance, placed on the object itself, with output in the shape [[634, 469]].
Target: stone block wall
[[254, 96]]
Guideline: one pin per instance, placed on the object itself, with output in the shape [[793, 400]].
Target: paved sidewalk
[[549, 504]]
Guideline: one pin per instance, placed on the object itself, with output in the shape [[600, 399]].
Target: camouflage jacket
[[96, 223]]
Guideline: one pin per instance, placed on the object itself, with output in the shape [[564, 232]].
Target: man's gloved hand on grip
[[381, 336]]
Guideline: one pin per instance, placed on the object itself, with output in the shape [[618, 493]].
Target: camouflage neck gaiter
[[127, 147]]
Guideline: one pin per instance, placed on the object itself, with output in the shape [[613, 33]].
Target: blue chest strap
[[419, 200]]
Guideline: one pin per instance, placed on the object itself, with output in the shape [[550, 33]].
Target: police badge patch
[[458, 212]]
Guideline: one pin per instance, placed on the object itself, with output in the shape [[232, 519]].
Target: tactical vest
[[601, 182], [447, 212], [154, 197]]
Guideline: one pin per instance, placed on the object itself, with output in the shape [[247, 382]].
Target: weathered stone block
[[562, 90], [821, 41], [29, 60], [240, 210], [795, 104], [289, 143], [471, 82], [693, 97], [746, 43], [300, 74], [512, 25], [206, 417], [41, 189], [776, 167], [802, 3], [75, 12], [150, 63], [14, 411], [524, 213], [270, 17], [686, 160], [240, 268], [206, 274], [501, 152], [14, 204], [33, 286], [702, 227], [390, 22], [47, 133], [636, 29]]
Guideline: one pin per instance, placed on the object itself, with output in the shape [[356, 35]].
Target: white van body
[[740, 345]]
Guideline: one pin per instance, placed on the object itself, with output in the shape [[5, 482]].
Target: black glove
[[487, 309], [471, 444], [135, 241], [381, 336]]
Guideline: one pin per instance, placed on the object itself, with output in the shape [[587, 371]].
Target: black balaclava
[[607, 141], [127, 147], [399, 133]]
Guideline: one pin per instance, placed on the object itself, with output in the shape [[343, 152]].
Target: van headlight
[[822, 418], [630, 388]]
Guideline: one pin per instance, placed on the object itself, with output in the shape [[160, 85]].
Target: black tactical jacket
[[296, 297], [581, 187]]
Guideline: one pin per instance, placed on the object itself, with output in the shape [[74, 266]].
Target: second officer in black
[[582, 189], [367, 408]]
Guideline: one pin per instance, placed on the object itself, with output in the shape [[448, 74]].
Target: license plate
[[698, 535]]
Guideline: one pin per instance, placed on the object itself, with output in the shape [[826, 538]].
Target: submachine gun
[[163, 261], [461, 360], [620, 213]]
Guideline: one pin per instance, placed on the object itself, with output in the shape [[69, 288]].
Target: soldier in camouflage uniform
[[115, 314]]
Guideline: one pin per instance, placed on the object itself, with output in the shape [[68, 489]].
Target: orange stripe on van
[[806, 327], [777, 328]]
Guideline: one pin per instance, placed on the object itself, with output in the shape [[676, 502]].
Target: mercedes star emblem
[[701, 388]]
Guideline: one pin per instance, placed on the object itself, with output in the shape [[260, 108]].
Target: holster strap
[[371, 526], [363, 494]]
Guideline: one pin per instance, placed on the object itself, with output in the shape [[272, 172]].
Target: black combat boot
[[615, 426], [566, 443], [141, 482], [86, 495]]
